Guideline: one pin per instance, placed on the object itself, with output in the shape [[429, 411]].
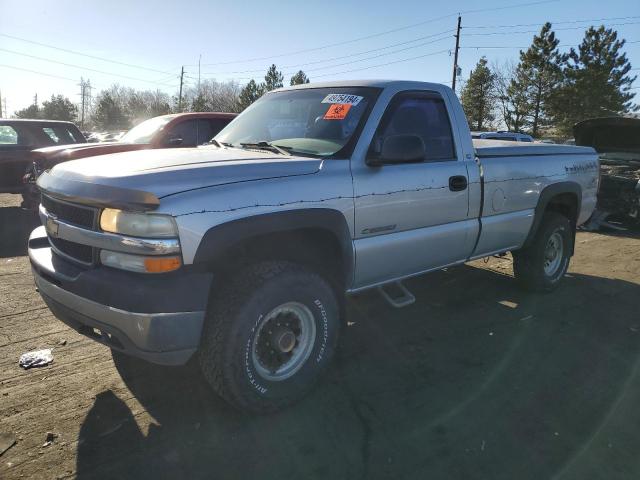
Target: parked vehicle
[[18, 139], [502, 135], [166, 131], [617, 141], [243, 251]]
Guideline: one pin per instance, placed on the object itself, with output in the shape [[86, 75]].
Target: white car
[[502, 135]]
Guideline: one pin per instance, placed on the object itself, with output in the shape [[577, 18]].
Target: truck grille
[[80, 216], [83, 253]]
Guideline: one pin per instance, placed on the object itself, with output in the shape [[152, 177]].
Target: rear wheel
[[541, 266], [269, 335]]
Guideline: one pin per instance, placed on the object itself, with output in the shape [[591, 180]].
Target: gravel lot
[[476, 380]]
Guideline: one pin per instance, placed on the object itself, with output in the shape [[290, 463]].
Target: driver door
[[412, 217]]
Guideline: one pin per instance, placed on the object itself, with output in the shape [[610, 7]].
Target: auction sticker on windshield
[[337, 111], [342, 98]]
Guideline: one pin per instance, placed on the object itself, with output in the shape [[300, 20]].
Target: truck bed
[[501, 148]]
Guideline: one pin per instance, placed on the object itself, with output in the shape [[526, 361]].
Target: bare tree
[[512, 103], [213, 96]]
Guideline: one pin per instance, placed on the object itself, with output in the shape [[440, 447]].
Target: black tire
[[231, 337], [529, 263]]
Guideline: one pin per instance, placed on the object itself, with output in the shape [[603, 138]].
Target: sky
[[144, 45]]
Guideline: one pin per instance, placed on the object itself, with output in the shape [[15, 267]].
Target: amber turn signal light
[[162, 264]]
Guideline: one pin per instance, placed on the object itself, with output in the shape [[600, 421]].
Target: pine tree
[[478, 96], [32, 111], [110, 114], [273, 79], [299, 78], [596, 82], [59, 107], [537, 76], [249, 94]]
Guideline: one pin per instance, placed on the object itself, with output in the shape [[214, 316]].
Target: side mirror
[[177, 140], [399, 149]]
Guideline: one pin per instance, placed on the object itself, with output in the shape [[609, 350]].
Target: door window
[[187, 131], [424, 115], [60, 135], [8, 136]]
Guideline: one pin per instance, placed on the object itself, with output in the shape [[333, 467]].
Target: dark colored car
[[18, 140], [165, 131], [617, 141]]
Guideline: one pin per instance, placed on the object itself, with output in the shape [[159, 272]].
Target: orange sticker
[[337, 111]]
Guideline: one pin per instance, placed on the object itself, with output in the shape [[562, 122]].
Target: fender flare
[[547, 194], [224, 236]]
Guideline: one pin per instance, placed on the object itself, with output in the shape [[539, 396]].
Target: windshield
[[311, 121], [143, 132]]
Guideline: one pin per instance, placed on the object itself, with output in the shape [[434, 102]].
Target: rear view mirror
[[399, 149]]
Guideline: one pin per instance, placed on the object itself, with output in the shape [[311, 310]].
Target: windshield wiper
[[266, 146], [215, 142]]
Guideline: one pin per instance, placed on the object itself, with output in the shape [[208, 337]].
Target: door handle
[[457, 183]]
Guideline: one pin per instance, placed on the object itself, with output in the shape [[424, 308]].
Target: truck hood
[[169, 171], [81, 150]]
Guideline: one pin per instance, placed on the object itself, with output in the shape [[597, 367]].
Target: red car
[[166, 131]]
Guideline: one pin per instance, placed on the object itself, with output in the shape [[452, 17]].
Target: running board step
[[396, 294]]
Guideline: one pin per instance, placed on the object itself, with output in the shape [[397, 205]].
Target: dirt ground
[[476, 380]]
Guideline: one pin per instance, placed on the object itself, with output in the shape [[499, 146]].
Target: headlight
[[138, 224]]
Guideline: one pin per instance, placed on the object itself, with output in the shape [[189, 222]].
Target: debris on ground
[[49, 439], [7, 440], [38, 358], [62, 342]]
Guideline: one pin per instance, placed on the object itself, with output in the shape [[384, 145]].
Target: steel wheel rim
[[553, 254], [283, 341]]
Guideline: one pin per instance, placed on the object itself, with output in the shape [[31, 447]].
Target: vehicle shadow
[[475, 380], [16, 225]]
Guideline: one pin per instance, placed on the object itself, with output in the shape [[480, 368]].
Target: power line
[[347, 56], [387, 32], [81, 67], [39, 73], [554, 22], [491, 47], [385, 64], [74, 52], [366, 58], [538, 31]]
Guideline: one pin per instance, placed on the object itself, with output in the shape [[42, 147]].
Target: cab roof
[[398, 84]]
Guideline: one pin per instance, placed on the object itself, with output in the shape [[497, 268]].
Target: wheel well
[[566, 204], [317, 248], [563, 198]]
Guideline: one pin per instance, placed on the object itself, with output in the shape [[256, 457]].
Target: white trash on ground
[[38, 358]]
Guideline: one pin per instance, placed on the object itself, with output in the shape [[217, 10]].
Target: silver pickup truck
[[241, 253]]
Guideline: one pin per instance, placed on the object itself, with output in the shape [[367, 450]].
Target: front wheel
[[269, 335], [541, 266]]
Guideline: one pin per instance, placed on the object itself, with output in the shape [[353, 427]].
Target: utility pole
[[85, 100], [455, 57], [82, 97], [199, 58], [180, 96]]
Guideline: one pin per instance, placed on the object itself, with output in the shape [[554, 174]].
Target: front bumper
[[157, 318]]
